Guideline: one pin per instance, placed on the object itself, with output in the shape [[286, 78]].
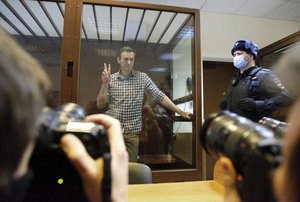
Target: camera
[[55, 179], [278, 127], [69, 118], [240, 139]]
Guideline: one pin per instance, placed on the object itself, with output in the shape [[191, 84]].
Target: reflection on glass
[[164, 45], [271, 59]]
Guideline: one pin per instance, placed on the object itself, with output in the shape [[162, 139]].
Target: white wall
[[220, 31]]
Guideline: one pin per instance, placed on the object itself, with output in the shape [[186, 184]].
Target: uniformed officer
[[254, 92]]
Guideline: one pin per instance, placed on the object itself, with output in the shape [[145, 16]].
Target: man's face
[[126, 61]]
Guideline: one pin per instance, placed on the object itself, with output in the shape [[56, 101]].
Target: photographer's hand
[[90, 170]]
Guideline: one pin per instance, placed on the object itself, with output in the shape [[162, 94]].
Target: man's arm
[[269, 97], [279, 96], [159, 96], [170, 105], [102, 98]]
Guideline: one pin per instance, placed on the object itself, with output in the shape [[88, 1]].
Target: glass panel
[[103, 23], [163, 42], [89, 22], [118, 23], [147, 24], [28, 23], [10, 17], [132, 24], [177, 22], [271, 59], [159, 28], [38, 8]]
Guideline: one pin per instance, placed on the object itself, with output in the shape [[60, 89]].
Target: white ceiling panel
[[222, 6], [147, 1], [187, 4], [258, 8], [287, 11], [272, 9]]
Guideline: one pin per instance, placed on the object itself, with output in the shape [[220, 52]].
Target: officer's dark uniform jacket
[[261, 85]]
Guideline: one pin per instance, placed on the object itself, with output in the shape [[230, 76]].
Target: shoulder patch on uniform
[[262, 73], [278, 83], [265, 69]]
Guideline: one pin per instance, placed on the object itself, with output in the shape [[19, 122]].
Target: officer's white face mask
[[239, 61]]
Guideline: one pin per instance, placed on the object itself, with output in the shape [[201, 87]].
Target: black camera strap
[[106, 182]]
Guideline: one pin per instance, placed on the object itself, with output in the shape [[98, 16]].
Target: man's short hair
[[126, 49]]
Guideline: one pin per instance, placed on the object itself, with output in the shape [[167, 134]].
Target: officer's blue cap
[[245, 45]]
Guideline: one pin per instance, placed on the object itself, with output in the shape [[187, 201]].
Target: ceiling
[[273, 9], [45, 18], [39, 18]]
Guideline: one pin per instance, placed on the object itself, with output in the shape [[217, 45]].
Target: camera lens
[[227, 134]]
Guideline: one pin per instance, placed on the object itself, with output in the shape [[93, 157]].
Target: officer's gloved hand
[[223, 104], [247, 104]]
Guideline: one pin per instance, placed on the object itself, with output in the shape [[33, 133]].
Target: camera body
[[278, 127], [55, 179], [69, 118], [240, 139]]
